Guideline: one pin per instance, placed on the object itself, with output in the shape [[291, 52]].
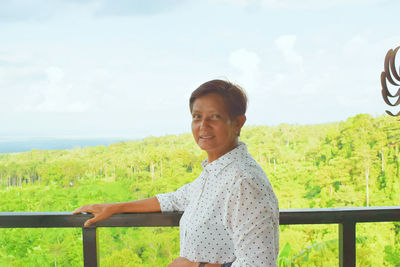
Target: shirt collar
[[217, 165]]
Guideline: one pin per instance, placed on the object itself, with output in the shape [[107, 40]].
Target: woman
[[230, 211]]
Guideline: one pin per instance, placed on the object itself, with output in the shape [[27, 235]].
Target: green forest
[[353, 163]]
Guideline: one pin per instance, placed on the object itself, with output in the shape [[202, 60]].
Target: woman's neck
[[212, 156]]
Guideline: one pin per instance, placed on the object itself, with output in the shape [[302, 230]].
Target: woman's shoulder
[[250, 172], [248, 167], [253, 181]]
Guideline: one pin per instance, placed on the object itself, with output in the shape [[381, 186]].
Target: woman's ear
[[240, 120]]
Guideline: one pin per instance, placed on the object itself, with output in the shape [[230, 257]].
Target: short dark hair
[[234, 96]]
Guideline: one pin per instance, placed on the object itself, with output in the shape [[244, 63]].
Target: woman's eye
[[196, 116], [216, 116]]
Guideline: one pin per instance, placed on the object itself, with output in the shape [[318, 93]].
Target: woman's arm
[[103, 211], [172, 201]]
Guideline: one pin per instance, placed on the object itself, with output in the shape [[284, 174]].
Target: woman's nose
[[203, 123]]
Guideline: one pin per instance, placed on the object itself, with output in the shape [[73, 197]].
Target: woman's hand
[[103, 211], [183, 262], [100, 212]]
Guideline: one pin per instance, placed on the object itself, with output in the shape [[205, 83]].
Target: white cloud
[[285, 44], [53, 93], [135, 7], [308, 4], [295, 4], [42, 10], [54, 74], [247, 62], [337, 79], [344, 77]]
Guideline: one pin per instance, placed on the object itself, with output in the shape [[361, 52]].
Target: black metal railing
[[346, 218]]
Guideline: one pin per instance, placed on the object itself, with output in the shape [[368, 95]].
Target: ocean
[[10, 145]]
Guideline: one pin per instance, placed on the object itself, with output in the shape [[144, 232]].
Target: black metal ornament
[[392, 76]]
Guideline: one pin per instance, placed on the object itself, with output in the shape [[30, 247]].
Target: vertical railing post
[[347, 244], [90, 247]]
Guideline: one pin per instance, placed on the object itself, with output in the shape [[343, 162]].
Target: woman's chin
[[205, 147], [206, 144]]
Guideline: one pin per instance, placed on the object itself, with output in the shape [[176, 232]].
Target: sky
[[126, 68]]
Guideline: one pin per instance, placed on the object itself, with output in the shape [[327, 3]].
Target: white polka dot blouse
[[230, 214]]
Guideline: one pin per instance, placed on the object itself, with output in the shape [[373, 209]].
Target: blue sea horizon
[[18, 145]]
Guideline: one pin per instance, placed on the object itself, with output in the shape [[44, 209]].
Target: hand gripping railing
[[346, 218]]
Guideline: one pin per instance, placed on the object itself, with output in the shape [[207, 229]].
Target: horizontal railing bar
[[293, 216], [67, 219], [339, 215]]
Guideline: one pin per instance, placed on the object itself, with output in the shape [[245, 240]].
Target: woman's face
[[212, 128]]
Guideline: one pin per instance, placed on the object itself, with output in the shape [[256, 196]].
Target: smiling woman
[[230, 211]]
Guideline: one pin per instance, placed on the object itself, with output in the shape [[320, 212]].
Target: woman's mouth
[[206, 137]]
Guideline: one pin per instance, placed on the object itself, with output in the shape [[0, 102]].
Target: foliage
[[344, 164]]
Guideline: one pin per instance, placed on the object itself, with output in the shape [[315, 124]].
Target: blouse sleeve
[[175, 201], [252, 218]]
